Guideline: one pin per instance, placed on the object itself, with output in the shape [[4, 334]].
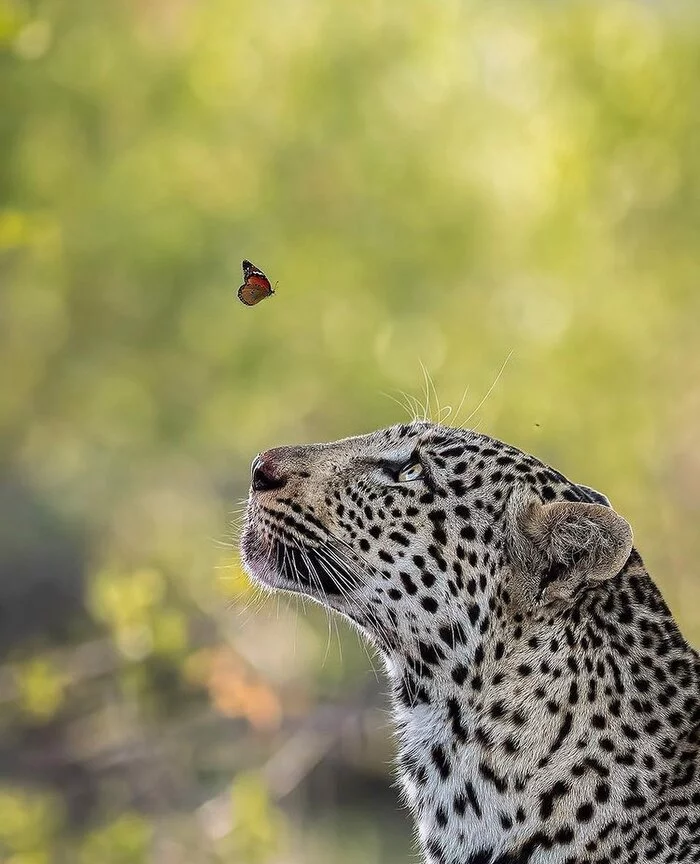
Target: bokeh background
[[505, 195]]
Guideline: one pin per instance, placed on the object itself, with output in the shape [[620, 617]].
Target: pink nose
[[266, 473]]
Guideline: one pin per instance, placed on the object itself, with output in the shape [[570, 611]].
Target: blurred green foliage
[[125, 840], [508, 194], [257, 828], [29, 824]]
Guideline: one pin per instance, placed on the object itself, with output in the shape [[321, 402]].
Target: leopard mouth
[[286, 567]]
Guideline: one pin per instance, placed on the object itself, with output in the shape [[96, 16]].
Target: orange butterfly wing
[[256, 286]]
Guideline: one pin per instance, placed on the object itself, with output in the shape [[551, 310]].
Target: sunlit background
[[505, 195]]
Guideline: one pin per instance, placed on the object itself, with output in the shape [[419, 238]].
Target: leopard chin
[[283, 567]]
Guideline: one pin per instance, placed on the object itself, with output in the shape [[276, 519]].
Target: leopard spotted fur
[[547, 706]]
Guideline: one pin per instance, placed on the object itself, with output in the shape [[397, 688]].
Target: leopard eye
[[410, 472]]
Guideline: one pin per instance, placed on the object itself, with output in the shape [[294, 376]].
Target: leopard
[[546, 706]]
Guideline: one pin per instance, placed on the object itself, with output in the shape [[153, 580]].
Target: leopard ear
[[557, 548], [593, 495]]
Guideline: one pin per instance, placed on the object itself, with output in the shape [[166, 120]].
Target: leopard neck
[[544, 729]]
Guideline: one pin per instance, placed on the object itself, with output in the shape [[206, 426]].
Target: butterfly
[[256, 286]]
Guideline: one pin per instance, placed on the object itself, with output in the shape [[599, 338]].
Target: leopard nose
[[266, 473]]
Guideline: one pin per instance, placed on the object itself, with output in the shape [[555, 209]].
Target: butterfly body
[[256, 286]]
